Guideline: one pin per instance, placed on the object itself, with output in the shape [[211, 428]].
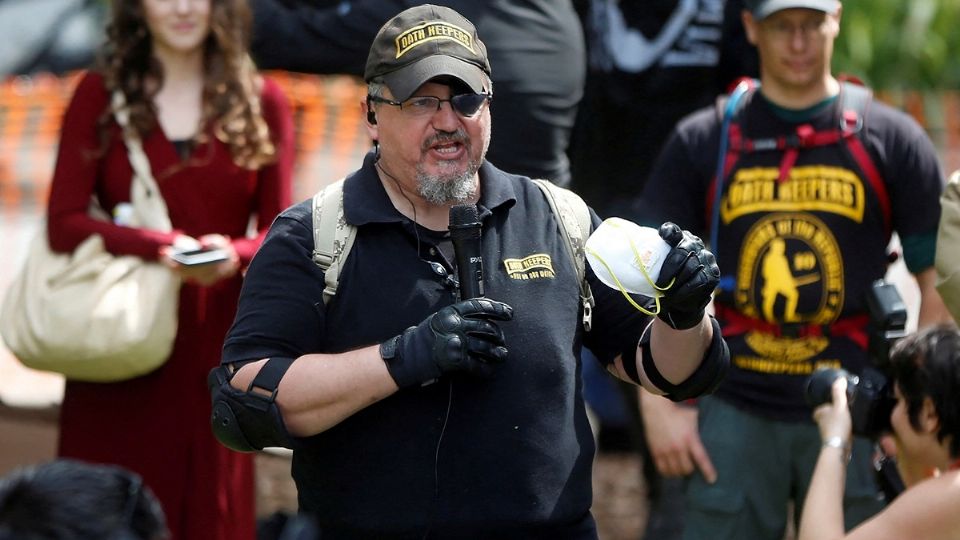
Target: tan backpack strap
[[332, 236], [148, 203], [575, 228]]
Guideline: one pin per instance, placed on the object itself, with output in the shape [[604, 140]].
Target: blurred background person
[[649, 65], [925, 372], [948, 246], [71, 500], [219, 141]]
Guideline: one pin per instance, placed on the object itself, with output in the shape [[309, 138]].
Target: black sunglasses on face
[[466, 105]]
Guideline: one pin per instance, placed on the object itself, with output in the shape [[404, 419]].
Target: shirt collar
[[365, 200]]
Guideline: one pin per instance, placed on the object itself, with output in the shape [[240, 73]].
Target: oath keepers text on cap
[[433, 31]]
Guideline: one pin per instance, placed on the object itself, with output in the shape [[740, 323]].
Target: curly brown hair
[[231, 88]]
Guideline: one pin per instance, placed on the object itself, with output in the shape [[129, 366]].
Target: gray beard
[[442, 189]]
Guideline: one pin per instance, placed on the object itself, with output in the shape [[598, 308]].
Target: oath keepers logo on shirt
[[536, 266], [790, 270], [433, 31]]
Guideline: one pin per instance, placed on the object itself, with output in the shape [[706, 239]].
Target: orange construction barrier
[[330, 135], [330, 138]]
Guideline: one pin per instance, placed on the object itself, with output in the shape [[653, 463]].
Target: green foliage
[[901, 44]]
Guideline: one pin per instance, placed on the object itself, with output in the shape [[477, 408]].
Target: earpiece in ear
[[371, 117]]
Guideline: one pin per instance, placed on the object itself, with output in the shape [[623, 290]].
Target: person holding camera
[[925, 371]]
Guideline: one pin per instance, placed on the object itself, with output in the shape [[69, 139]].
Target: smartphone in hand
[[196, 257]]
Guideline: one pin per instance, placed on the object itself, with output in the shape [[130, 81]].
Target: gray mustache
[[458, 136]]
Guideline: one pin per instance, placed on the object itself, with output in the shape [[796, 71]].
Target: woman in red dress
[[219, 139]]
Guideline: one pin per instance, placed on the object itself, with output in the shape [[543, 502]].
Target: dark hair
[[231, 93], [927, 364], [71, 500]]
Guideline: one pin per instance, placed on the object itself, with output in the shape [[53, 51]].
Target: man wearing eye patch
[[413, 409]]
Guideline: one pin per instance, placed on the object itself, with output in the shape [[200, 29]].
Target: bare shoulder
[[927, 510]]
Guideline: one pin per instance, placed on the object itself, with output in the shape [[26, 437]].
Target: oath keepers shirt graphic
[[790, 271], [802, 251]]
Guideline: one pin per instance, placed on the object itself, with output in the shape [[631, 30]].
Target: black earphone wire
[[416, 231], [446, 415]]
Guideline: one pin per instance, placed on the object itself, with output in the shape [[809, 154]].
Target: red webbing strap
[[860, 155], [733, 150], [735, 323], [854, 100]]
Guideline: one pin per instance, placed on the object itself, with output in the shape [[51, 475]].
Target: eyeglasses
[[466, 105], [811, 28]]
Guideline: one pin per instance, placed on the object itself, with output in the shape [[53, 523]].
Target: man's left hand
[[688, 276]]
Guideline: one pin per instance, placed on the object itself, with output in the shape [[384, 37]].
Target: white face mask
[[628, 257]]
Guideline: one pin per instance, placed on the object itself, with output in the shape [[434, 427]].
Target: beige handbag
[[90, 315]]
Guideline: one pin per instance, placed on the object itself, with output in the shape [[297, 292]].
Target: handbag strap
[[148, 204]]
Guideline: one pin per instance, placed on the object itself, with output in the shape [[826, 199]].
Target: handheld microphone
[[465, 233]]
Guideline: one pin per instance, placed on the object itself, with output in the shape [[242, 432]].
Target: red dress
[[158, 425]]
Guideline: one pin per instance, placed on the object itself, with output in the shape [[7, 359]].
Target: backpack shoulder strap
[[729, 108], [574, 220], [332, 235], [854, 99]]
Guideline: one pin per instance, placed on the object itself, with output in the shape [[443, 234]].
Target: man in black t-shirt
[[537, 47], [802, 234]]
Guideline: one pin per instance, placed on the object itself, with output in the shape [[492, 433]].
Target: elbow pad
[[707, 377], [244, 420]]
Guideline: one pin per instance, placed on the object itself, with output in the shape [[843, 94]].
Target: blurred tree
[[893, 44]]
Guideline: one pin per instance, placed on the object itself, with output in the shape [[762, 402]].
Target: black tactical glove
[[462, 337], [695, 274]]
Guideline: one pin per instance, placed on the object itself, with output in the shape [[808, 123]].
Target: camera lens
[[869, 398], [820, 383]]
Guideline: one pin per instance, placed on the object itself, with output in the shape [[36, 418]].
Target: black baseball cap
[[761, 9], [425, 42]]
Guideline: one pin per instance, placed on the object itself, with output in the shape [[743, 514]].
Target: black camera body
[[869, 395], [888, 321]]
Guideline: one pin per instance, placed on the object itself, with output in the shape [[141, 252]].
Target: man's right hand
[[463, 337], [673, 438]]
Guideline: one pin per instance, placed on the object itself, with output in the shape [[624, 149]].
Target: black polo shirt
[[508, 456]]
